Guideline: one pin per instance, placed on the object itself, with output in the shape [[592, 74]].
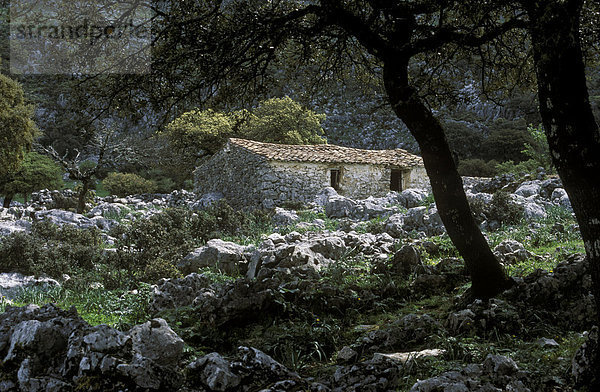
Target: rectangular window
[[396, 180], [335, 178]]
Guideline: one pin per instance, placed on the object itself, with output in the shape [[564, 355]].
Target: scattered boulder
[[323, 197], [497, 373], [339, 207], [548, 186], [214, 372], [406, 357], [584, 366], [283, 217], [529, 188], [224, 255], [560, 197], [534, 211], [371, 375], [512, 252], [406, 261], [156, 341], [12, 282], [346, 355], [52, 350], [410, 198], [8, 227], [177, 292]]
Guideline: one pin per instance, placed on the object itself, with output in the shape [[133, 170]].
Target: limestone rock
[[511, 252], [406, 260], [214, 372], [173, 293], [12, 282], [529, 188], [156, 341], [584, 364], [346, 354], [60, 217], [559, 196], [410, 198], [226, 256], [339, 207], [283, 217]]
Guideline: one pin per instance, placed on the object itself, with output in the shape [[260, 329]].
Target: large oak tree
[[236, 43]]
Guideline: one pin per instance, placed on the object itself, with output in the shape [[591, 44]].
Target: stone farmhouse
[[250, 173]]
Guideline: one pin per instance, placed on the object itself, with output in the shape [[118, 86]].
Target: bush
[[503, 210], [538, 150], [51, 250], [477, 168], [520, 169], [159, 268], [148, 248], [124, 184], [500, 209], [36, 172]]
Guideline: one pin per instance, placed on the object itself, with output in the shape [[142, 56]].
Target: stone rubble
[[51, 349]]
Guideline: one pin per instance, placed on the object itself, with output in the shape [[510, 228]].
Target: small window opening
[[396, 180], [335, 179]]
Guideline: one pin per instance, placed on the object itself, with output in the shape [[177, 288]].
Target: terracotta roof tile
[[328, 153]]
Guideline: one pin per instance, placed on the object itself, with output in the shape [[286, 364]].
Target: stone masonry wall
[[301, 181], [248, 180], [234, 172], [416, 178], [293, 181]]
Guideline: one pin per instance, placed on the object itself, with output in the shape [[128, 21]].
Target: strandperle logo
[[93, 33], [83, 37]]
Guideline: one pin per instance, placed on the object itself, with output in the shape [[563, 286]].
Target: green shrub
[[477, 168], [500, 209], [149, 247], [36, 172], [124, 184], [538, 150], [158, 268], [51, 250], [520, 169], [164, 184], [503, 210]]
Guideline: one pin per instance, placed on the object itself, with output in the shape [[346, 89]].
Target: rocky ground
[[345, 295]]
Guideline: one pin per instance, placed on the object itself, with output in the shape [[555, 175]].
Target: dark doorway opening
[[396, 180], [335, 179]]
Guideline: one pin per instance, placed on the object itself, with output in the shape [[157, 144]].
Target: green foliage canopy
[[37, 172], [200, 130], [283, 121], [276, 120], [17, 129], [123, 184]]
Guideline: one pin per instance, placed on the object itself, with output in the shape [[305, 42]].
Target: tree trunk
[[487, 275], [573, 133], [7, 200], [85, 187]]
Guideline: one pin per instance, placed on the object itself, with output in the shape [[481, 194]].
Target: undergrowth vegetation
[[309, 322]]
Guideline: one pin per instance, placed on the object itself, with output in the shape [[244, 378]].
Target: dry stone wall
[[249, 180], [416, 178], [235, 173]]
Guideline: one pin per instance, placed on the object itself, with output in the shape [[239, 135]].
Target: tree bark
[[487, 275], [85, 187], [569, 123], [572, 131], [7, 200]]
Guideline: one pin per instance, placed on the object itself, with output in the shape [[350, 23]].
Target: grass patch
[[117, 308]]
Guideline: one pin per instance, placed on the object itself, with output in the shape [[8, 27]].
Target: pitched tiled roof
[[328, 153]]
